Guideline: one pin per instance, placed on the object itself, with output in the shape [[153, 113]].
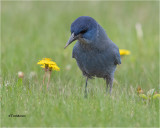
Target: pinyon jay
[[95, 53]]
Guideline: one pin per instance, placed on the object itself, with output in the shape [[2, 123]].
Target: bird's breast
[[94, 62]]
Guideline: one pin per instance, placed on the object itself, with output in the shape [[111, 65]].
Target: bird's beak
[[71, 39]]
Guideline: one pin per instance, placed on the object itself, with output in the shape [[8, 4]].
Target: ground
[[31, 31]]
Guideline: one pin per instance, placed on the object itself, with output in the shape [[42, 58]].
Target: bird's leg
[[85, 93], [109, 81], [111, 85], [107, 85]]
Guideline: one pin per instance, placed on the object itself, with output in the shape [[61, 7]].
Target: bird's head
[[83, 29]]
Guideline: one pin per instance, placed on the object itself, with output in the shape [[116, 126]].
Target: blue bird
[[95, 53]]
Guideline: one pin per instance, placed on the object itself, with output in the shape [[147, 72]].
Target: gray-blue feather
[[99, 56]]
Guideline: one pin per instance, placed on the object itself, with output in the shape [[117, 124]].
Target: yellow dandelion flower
[[54, 67], [46, 61], [48, 64], [51, 63], [124, 52], [43, 66], [42, 62]]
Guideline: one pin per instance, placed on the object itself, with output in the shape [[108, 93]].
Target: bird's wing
[[117, 57]]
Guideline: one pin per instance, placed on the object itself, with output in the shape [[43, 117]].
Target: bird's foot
[[85, 94]]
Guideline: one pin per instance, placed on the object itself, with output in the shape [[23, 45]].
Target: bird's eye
[[83, 31]]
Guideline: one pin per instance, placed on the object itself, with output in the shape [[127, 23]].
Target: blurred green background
[[34, 30]]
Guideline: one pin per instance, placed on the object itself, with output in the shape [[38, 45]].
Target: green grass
[[34, 30]]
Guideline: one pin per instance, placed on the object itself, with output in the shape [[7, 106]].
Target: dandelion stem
[[49, 78], [44, 75]]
